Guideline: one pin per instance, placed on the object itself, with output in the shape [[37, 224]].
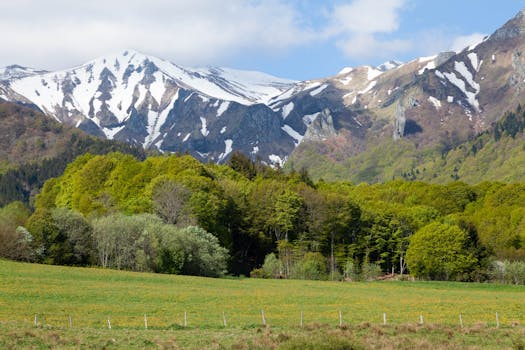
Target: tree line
[[173, 214]]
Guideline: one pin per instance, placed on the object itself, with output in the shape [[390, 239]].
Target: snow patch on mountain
[[346, 80], [318, 90], [16, 72], [276, 160], [435, 102], [204, 130], [369, 87], [111, 132], [228, 148], [223, 108], [158, 120], [430, 65], [426, 59], [373, 73], [474, 61], [389, 65], [287, 109], [462, 69], [293, 134], [460, 84], [345, 70]]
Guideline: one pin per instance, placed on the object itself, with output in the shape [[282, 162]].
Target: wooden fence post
[[263, 318], [224, 319], [340, 318], [145, 322], [497, 320], [384, 318], [109, 323], [185, 319]]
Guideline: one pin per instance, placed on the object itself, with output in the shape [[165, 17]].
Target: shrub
[[370, 272], [311, 267], [273, 267], [508, 272]]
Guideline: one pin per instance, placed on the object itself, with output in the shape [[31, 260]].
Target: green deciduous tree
[[14, 244], [442, 252]]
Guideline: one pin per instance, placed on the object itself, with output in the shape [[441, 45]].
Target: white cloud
[[57, 34], [192, 32], [360, 24], [461, 42], [368, 16]]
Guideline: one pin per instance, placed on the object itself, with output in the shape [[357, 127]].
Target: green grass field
[[90, 296]]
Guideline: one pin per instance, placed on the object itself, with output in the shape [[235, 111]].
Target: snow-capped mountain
[[146, 100], [434, 101], [16, 71]]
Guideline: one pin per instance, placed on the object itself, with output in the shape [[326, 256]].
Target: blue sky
[[298, 39]]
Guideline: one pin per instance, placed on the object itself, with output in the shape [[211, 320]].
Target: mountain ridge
[[432, 103]]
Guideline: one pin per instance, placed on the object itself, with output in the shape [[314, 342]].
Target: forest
[[173, 214]]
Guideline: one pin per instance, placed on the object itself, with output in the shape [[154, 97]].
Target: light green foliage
[[350, 271], [287, 208], [440, 251], [500, 220], [258, 211], [311, 267], [273, 267]]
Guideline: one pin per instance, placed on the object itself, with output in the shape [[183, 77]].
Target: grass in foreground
[[89, 296]]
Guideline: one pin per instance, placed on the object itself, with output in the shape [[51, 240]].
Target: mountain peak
[[16, 71], [512, 29], [392, 64]]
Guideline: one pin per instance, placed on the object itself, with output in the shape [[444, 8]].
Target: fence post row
[[37, 320]]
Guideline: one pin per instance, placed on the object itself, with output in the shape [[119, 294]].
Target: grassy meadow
[[90, 296]]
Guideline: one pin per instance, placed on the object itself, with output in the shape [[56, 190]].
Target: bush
[[351, 271], [273, 267], [311, 267], [370, 272], [191, 251], [258, 273], [508, 272]]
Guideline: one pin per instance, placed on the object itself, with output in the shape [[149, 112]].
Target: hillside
[[34, 148], [496, 154]]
